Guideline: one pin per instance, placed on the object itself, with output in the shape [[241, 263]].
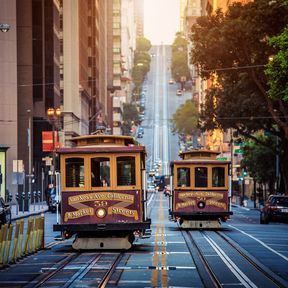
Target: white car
[[151, 188]]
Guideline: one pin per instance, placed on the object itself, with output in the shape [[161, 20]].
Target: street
[[242, 253], [166, 259]]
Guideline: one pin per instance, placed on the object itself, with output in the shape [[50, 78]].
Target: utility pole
[[29, 153]]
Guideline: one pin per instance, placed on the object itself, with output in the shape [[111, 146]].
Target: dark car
[[5, 212], [52, 199], [275, 209]]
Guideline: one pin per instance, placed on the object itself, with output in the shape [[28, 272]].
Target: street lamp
[[53, 115], [4, 27]]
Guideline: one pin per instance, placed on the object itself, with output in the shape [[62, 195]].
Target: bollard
[[27, 243], [41, 236], [31, 236], [4, 229], [20, 245], [1, 233], [7, 252], [35, 234], [15, 243]]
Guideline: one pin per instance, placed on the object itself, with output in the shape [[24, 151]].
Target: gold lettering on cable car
[[213, 201], [79, 213], [185, 204], [123, 211], [100, 196]]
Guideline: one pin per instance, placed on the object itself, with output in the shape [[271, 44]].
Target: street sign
[[238, 151], [222, 158]]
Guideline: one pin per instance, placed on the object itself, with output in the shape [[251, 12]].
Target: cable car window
[[126, 171], [100, 172], [201, 176], [74, 172], [183, 177], [218, 177]]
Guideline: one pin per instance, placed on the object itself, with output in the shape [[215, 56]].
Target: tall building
[[54, 56], [183, 7], [128, 46], [139, 17], [84, 66], [30, 58], [213, 5], [8, 96]]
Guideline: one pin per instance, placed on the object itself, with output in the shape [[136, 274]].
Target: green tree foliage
[[130, 113], [255, 159], [233, 49], [143, 44], [179, 64], [185, 119], [277, 69], [142, 61], [130, 117]]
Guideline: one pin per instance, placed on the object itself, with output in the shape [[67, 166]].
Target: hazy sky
[[161, 20]]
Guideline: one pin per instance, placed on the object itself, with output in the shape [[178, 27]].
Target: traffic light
[[244, 173]]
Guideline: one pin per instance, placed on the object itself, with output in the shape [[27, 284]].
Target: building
[[31, 61], [139, 17]]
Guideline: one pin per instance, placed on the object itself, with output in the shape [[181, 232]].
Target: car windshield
[[280, 201]]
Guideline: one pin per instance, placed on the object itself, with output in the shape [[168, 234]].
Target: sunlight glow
[[161, 20]]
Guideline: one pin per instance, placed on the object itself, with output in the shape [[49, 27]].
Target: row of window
[[200, 177], [100, 171]]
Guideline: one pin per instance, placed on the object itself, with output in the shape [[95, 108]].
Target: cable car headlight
[[201, 205], [101, 213]]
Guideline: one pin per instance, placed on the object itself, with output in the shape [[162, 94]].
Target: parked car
[[5, 212], [139, 135], [167, 190], [171, 81], [179, 92], [52, 199], [140, 130], [275, 209], [151, 188]]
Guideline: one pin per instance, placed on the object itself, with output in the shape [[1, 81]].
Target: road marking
[[262, 243], [230, 264], [150, 199]]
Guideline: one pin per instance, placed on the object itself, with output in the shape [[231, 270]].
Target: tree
[[255, 159], [142, 61], [130, 117], [130, 113], [185, 119], [179, 66], [232, 50], [277, 69], [143, 44]]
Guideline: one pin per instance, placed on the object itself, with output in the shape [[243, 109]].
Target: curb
[[28, 215]]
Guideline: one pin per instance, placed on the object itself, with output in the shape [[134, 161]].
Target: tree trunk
[[284, 165]]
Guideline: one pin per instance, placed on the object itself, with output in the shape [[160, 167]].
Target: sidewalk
[[248, 204], [34, 209]]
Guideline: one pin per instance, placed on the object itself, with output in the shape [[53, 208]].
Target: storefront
[[3, 150]]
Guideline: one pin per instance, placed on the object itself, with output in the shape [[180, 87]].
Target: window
[[218, 177], [126, 171], [183, 177], [74, 172], [100, 172], [201, 177]]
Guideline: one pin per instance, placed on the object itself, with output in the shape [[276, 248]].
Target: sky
[[161, 20]]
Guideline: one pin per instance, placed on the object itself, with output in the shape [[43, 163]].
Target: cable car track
[[61, 276], [236, 264]]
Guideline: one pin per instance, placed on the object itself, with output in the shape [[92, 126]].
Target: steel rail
[[103, 283], [206, 273], [63, 263], [82, 271], [261, 268]]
